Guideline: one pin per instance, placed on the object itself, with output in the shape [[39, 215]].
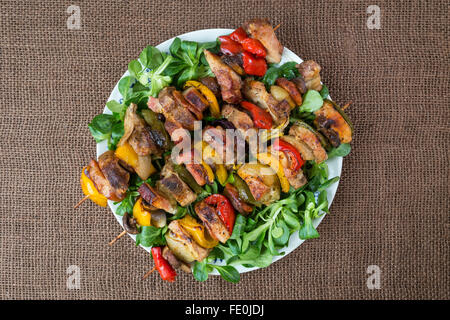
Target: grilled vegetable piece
[[172, 184], [143, 217], [206, 94], [224, 209], [295, 178], [234, 62], [300, 85], [261, 118], [116, 175], [230, 82], [172, 111], [198, 232], [142, 165], [262, 182], [291, 88], [281, 94], [303, 133], [256, 92], [305, 151], [310, 71], [273, 162], [182, 245], [201, 172], [212, 221], [240, 205], [158, 133], [162, 265], [156, 199], [262, 30], [331, 123], [211, 84], [89, 189]]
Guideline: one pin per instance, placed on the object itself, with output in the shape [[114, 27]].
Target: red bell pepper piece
[[229, 46], [164, 268], [253, 65], [224, 209], [289, 150], [254, 46], [238, 35], [261, 118]]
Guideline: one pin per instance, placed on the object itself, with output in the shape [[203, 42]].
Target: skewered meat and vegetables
[[208, 197]]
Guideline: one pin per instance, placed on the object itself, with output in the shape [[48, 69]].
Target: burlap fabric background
[[392, 205]]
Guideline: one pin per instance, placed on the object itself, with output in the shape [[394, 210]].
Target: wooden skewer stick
[[347, 105], [124, 232], [81, 201], [148, 273], [277, 27]]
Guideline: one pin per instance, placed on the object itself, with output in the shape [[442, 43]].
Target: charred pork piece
[[229, 81], [172, 184], [262, 182], [331, 123], [173, 261], [300, 84], [182, 245], [179, 98], [101, 183], [177, 132], [197, 170], [156, 199], [116, 175], [262, 30], [234, 62], [310, 72], [291, 88], [138, 134], [256, 92], [238, 204], [195, 98], [212, 222], [212, 85], [304, 134], [172, 111], [241, 120]]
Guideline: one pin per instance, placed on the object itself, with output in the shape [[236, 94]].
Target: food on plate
[[233, 190]]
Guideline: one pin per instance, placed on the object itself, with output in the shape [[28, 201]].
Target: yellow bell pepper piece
[[88, 187], [207, 152], [209, 171], [142, 216], [209, 95], [127, 154], [198, 232], [275, 164], [221, 173]]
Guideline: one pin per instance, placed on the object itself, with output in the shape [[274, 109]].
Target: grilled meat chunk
[[172, 111], [307, 136], [256, 92], [195, 98], [262, 30], [291, 88], [330, 122], [212, 222], [138, 134], [179, 98], [212, 85], [197, 170], [116, 175], [177, 132], [238, 204], [182, 245], [101, 183], [262, 182], [156, 199], [173, 261], [172, 184], [296, 178], [229, 81], [310, 71], [239, 119]]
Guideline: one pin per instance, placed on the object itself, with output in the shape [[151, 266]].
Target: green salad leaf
[[286, 70]]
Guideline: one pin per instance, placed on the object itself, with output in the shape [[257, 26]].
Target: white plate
[[334, 165]]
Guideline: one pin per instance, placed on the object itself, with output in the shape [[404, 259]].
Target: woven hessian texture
[[392, 205]]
